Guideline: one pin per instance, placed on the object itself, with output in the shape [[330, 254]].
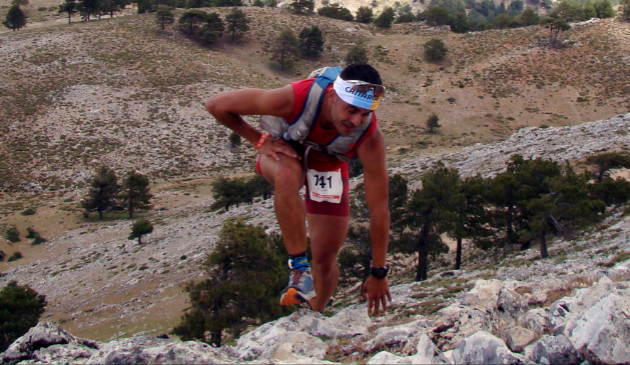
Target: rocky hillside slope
[[102, 286], [496, 322]]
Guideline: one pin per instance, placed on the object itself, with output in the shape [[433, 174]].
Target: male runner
[[347, 105]]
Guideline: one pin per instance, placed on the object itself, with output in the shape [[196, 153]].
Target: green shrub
[[20, 309], [2, 255], [16, 256], [29, 211], [38, 241], [435, 50], [12, 234], [31, 233]]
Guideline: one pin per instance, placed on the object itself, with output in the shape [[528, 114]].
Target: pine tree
[[212, 30], [385, 18], [229, 192], [15, 18], [140, 228], [555, 25], [191, 18], [20, 309], [87, 8], [336, 12], [604, 162], [625, 8], [102, 194], [364, 15], [135, 192], [429, 213], [311, 42], [355, 258], [164, 16], [303, 6], [285, 49], [235, 140], [435, 50], [472, 218], [69, 6], [433, 122], [237, 22], [229, 298], [357, 54]]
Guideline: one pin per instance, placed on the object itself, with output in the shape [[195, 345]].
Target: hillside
[[110, 91], [121, 93], [489, 311]]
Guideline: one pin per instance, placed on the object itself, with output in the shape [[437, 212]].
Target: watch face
[[379, 272]]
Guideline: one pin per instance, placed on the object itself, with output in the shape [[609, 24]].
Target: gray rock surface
[[554, 350], [303, 330], [518, 337], [602, 333], [484, 348]]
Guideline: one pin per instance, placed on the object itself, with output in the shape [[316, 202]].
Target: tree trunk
[[526, 245], [140, 240], [130, 206], [100, 214], [509, 220], [68, 17], [423, 253], [215, 338], [543, 244], [458, 257]]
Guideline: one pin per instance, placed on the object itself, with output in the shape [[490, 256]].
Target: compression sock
[[299, 261]]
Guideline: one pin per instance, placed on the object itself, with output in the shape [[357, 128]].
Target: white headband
[[345, 91]]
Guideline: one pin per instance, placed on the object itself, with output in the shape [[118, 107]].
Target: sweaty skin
[[281, 166]]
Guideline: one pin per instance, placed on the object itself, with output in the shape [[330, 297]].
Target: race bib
[[325, 186]]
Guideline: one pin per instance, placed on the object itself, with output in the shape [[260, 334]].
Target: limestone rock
[[427, 353], [396, 335], [554, 350], [518, 337], [602, 333], [535, 320], [485, 294], [484, 348], [151, 350], [457, 322], [308, 327], [42, 336]]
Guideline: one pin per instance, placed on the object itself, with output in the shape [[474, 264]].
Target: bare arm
[[376, 181], [228, 107]]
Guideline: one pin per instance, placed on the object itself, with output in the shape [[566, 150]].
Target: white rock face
[[518, 337], [602, 333], [303, 330], [554, 350], [427, 353], [484, 348], [485, 294]]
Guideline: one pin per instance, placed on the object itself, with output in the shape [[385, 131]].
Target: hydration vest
[[298, 131]]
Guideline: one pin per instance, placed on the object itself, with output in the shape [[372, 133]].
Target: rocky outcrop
[[592, 325]]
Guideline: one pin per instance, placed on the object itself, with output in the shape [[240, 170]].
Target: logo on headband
[[368, 96], [357, 93]]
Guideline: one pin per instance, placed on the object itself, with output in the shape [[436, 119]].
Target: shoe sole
[[293, 297]]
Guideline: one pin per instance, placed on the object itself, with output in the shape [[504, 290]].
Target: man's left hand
[[376, 291]]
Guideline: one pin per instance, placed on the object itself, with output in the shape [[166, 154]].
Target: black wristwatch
[[380, 272]]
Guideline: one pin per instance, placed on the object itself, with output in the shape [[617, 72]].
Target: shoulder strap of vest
[[300, 128]]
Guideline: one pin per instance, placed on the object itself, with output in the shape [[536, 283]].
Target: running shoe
[[300, 288]]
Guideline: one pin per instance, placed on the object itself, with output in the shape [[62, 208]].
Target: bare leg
[[287, 177], [327, 235]]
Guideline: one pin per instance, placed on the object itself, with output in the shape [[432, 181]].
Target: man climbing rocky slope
[[565, 309]]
